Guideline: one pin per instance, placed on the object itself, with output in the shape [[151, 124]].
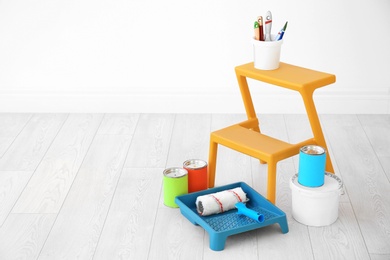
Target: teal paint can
[[312, 160]]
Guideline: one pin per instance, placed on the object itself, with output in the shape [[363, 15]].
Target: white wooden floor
[[89, 186]]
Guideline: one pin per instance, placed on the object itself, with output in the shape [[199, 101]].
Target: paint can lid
[[312, 149], [175, 172], [194, 164]]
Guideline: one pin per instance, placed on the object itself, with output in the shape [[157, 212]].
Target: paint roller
[[226, 200]]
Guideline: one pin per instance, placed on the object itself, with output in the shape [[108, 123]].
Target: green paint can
[[175, 184]]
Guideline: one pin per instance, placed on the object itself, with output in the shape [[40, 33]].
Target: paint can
[[311, 170], [197, 174], [175, 184]]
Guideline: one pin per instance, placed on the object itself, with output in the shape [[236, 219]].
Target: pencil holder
[[266, 54]]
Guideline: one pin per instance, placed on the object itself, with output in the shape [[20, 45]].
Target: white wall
[[179, 56]]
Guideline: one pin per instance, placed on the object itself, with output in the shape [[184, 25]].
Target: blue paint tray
[[220, 226]]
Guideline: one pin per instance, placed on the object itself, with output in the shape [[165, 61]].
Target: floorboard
[[341, 240], [12, 184], [29, 147], [190, 139], [174, 237], [364, 178], [118, 124], [90, 186], [47, 189], [150, 145], [23, 235], [80, 221], [128, 230], [10, 127], [377, 129]]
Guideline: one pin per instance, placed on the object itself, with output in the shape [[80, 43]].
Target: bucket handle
[[341, 189]]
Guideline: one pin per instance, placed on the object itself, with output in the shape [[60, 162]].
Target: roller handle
[[243, 210]]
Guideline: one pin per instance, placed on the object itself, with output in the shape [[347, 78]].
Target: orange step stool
[[246, 137]]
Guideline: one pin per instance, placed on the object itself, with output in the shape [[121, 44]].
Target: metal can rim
[[187, 162], [182, 172], [318, 149]]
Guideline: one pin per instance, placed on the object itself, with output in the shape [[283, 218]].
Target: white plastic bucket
[[316, 206], [266, 55]]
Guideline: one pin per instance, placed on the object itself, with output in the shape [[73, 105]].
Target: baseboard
[[374, 101]]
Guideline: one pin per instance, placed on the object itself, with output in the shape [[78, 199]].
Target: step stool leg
[[248, 103], [271, 181], [212, 162], [316, 126], [257, 129], [328, 166]]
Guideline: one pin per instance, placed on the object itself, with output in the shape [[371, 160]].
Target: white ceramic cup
[[266, 54]]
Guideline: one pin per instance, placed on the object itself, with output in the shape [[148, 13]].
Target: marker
[[257, 31], [281, 32], [260, 21], [268, 26]]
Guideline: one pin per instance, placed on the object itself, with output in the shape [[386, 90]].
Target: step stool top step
[[288, 76]]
